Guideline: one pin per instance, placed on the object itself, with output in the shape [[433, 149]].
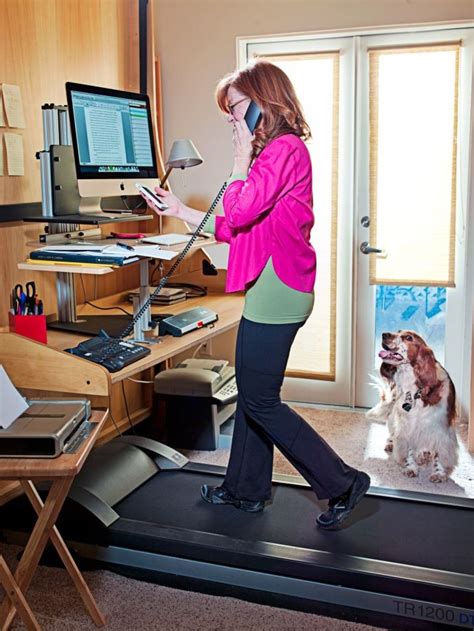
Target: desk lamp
[[183, 154]]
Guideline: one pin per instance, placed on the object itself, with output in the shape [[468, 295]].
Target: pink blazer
[[270, 214]]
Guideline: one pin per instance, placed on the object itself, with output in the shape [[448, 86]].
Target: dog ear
[[426, 377]]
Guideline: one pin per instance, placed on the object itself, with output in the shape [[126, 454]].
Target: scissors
[[24, 301]]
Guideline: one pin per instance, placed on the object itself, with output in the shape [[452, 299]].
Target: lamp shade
[[183, 154]]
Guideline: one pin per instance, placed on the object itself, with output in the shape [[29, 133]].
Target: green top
[[269, 300]]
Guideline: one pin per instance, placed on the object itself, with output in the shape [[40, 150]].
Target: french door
[[391, 117]]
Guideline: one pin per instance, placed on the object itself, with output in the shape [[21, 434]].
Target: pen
[[125, 245]]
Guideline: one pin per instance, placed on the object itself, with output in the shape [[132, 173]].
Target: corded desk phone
[[210, 378]]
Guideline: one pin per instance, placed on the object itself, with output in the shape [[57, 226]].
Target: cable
[[88, 302], [109, 308], [198, 349], [138, 380], [115, 424], [126, 407]]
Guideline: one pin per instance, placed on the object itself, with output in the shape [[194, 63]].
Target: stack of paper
[[171, 238], [167, 295]]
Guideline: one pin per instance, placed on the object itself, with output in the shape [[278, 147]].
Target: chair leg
[[15, 594]]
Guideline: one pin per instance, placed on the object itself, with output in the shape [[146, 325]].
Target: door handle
[[365, 248]]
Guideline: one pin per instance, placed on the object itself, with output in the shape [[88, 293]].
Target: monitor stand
[[69, 320]]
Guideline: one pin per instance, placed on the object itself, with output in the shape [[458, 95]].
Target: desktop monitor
[[112, 140]]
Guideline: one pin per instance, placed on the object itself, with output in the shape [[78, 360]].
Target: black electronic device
[[112, 353], [151, 196], [253, 116], [187, 321]]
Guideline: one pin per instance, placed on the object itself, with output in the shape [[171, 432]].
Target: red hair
[[273, 92]]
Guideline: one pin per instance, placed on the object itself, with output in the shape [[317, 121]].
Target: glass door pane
[[313, 353], [413, 110]]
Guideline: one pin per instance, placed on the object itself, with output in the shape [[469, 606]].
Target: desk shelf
[[70, 269]]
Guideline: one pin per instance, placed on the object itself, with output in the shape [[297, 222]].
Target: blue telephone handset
[[253, 115]]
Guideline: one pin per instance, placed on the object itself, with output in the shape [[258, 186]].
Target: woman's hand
[[242, 141], [175, 205], [176, 208]]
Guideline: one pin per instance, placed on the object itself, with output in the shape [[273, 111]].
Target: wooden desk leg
[[15, 594], [36, 544], [70, 564]]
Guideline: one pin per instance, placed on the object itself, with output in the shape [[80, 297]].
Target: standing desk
[[62, 471]]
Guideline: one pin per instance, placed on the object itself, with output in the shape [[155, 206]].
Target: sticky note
[[13, 105], [15, 154]]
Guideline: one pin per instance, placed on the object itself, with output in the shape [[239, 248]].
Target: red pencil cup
[[32, 326]]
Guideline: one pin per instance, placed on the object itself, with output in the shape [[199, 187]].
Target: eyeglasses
[[234, 105]]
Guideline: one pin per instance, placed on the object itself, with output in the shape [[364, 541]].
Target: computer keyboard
[[110, 352], [228, 393]]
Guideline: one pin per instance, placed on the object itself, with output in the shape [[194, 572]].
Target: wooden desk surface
[[229, 308], [65, 465]]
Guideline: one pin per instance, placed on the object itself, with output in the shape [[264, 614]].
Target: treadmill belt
[[391, 530]]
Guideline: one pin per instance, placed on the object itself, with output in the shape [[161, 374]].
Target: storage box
[[32, 326]]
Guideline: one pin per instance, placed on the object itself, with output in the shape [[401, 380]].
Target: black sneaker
[[218, 495], [339, 508]]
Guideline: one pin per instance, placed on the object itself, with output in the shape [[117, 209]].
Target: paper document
[[13, 105], [15, 156], [12, 404], [167, 239], [154, 252]]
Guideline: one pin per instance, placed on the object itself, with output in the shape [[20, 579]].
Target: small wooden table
[[62, 471]]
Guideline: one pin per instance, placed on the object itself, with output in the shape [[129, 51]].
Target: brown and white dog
[[418, 401]]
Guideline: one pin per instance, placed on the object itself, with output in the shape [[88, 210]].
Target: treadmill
[[401, 556]]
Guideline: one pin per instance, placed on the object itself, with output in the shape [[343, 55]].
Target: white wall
[[196, 43]]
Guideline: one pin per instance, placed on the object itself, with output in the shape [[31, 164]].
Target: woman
[[268, 219]]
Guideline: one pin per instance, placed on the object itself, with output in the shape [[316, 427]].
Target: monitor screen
[[112, 138]]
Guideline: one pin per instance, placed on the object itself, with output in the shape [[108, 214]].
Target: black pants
[[263, 421]]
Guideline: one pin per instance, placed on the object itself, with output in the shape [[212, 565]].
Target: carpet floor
[[129, 605], [360, 442]]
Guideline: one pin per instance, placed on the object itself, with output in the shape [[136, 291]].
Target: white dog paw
[[423, 457], [438, 477], [410, 472]]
